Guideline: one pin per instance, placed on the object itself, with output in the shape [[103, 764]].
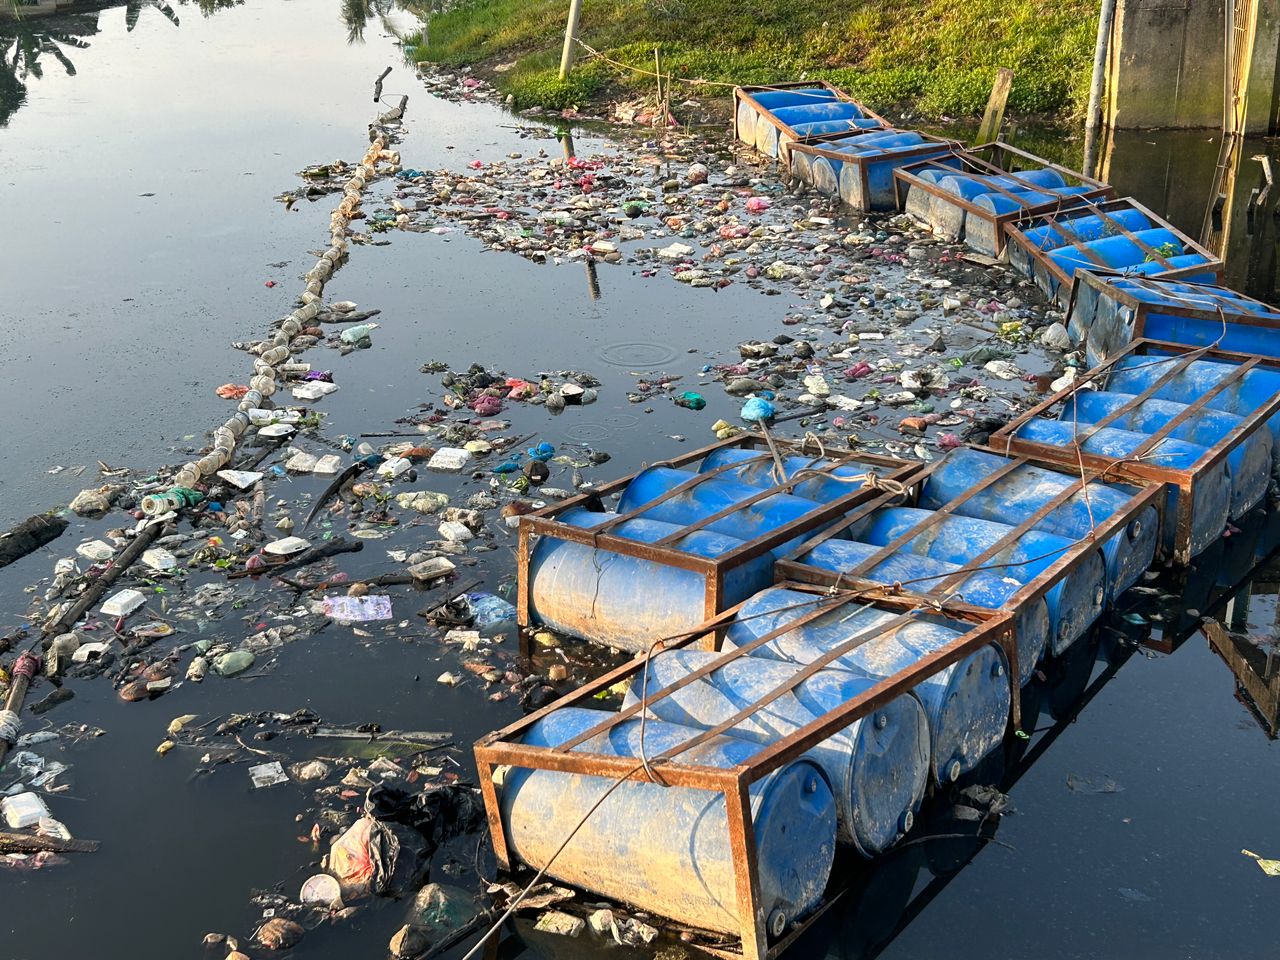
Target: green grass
[[940, 56]]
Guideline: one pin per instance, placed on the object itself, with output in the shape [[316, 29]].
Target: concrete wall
[[1166, 64]]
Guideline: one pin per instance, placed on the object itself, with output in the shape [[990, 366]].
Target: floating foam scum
[[273, 355]]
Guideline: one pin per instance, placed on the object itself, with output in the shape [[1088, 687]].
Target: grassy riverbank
[[937, 56]]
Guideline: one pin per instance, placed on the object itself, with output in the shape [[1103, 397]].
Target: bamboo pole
[[570, 38], [1092, 117]]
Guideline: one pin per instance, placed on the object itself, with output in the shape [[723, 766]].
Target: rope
[[779, 468], [692, 81], [870, 480], [811, 437]]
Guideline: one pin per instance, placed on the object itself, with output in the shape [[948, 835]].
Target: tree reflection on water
[[40, 34], [35, 34]]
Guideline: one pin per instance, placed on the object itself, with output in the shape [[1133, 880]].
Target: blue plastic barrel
[[1248, 463], [948, 219], [985, 235], [869, 185], [990, 589], [1118, 252], [749, 113], [823, 172], [1065, 229], [626, 602], [1150, 268], [712, 496], [967, 704], [877, 767], [1022, 493], [970, 187], [1105, 324], [834, 114], [813, 112], [1236, 338], [1013, 201], [1134, 374], [1210, 496], [760, 474], [817, 128], [666, 849], [777, 99], [1074, 601]]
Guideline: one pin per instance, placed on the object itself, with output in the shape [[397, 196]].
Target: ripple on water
[[636, 353], [588, 432]]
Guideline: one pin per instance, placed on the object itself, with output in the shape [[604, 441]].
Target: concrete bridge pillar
[[1167, 65]]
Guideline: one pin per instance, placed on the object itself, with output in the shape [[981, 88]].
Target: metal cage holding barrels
[[999, 164], [505, 749], [1136, 467], [939, 591], [714, 570], [1035, 259]]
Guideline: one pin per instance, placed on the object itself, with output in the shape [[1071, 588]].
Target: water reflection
[[356, 14], [1215, 192], [35, 34]]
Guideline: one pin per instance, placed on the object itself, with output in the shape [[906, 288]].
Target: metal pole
[[1105, 19], [570, 36]]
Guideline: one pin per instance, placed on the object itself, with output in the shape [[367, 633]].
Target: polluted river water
[[142, 230]]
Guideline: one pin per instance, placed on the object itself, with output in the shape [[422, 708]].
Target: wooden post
[[1093, 117], [993, 119], [570, 38], [657, 68]]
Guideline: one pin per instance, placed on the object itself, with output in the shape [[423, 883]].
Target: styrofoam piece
[[123, 603], [455, 531], [261, 417], [448, 460], [23, 810], [313, 390], [158, 558], [240, 479], [432, 569], [286, 546], [331, 463], [393, 467], [96, 550], [301, 462]]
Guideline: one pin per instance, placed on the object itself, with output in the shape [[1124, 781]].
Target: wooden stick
[[109, 576], [993, 119], [28, 536], [30, 843]]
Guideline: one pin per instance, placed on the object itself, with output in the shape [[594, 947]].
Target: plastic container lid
[[321, 888], [286, 547]]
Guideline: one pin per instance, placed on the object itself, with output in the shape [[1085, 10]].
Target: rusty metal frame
[[996, 159], [1127, 469], [816, 146], [1041, 264], [1230, 306], [762, 112], [502, 748], [794, 567], [713, 569]]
